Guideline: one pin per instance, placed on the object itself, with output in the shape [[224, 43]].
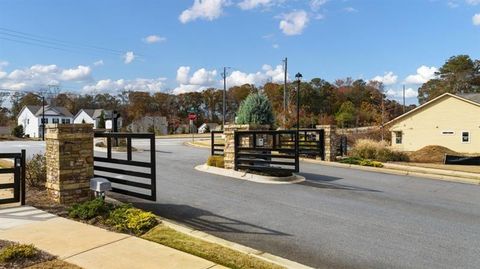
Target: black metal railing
[[18, 184], [217, 147], [311, 143], [121, 171], [342, 146], [266, 151]]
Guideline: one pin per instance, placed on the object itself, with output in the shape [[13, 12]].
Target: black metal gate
[[128, 176], [17, 187], [311, 143], [216, 147], [273, 151]]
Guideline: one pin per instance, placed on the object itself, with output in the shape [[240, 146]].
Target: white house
[[93, 116], [207, 127], [30, 117]]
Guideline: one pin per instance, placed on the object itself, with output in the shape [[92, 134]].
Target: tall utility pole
[[383, 108], [404, 99], [285, 62], [224, 75]]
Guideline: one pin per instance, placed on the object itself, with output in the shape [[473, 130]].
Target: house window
[[448, 132], [63, 121], [465, 137], [28, 121], [67, 121], [398, 137], [55, 120]]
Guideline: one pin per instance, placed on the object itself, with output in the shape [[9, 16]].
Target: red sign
[[192, 116]]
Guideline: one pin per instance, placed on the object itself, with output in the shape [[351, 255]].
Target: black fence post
[[212, 143], [22, 177], [153, 162]]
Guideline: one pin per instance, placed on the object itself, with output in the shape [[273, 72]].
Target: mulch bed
[[38, 198], [40, 257]]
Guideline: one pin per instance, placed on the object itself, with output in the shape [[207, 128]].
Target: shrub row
[[122, 218], [361, 161], [217, 161]]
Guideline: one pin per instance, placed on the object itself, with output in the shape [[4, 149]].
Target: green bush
[[256, 109], [16, 252], [36, 171], [89, 210], [216, 161], [18, 131], [125, 218], [361, 161]]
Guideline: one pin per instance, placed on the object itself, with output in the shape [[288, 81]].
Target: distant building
[[207, 127], [144, 125], [449, 120], [93, 116], [30, 117]]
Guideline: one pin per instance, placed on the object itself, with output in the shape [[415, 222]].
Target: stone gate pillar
[[229, 133], [69, 156], [330, 141]]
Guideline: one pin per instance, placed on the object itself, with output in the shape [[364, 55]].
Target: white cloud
[[76, 74], [476, 19], [350, 9], [387, 79], [154, 39], [251, 4], [129, 57], [316, 4], [4, 63], [424, 74], [139, 84], [294, 22], [398, 93], [98, 63], [473, 2], [200, 80], [203, 9], [37, 76], [268, 73], [275, 46]]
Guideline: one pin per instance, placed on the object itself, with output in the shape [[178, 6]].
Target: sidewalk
[[89, 246]]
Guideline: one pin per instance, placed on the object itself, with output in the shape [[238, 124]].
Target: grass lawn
[[210, 251]]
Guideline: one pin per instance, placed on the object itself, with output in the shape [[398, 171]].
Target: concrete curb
[[190, 144], [401, 170], [238, 247], [224, 243], [248, 176]]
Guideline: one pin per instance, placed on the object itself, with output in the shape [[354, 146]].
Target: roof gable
[[470, 99]]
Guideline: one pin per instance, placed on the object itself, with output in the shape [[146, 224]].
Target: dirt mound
[[431, 154]]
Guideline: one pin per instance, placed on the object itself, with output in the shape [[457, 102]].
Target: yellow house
[[452, 121]]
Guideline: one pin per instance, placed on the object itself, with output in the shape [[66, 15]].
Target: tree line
[[345, 102]]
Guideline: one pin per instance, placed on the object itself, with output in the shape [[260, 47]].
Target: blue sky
[[182, 45]]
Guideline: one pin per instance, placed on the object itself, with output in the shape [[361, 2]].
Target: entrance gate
[[13, 192], [128, 176]]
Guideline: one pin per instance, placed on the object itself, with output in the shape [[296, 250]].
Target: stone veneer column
[[69, 157], [229, 133], [330, 141]]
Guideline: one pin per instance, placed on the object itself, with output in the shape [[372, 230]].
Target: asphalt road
[[338, 218]]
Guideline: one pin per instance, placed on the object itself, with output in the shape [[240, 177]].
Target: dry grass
[[54, 264], [181, 136], [5, 163], [210, 251]]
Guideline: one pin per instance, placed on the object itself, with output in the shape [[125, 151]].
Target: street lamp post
[[298, 76]]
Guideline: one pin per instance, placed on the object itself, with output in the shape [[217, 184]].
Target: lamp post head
[[298, 76]]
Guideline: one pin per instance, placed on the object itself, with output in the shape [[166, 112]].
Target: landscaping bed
[[14, 255]]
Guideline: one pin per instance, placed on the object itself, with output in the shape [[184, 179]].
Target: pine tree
[[101, 121], [256, 109]]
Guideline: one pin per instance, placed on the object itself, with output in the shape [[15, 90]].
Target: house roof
[[95, 113], [59, 109], [471, 98], [38, 110]]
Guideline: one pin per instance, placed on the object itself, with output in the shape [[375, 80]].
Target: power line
[[52, 43]]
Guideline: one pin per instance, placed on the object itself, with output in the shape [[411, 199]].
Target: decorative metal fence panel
[[217, 143], [266, 151], [135, 178], [12, 188], [311, 143]]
